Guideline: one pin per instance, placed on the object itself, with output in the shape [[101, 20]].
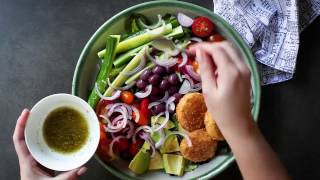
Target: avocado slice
[[156, 162], [140, 163], [170, 145], [155, 121], [155, 137], [173, 164]]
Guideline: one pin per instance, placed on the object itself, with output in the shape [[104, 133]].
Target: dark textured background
[[40, 41]]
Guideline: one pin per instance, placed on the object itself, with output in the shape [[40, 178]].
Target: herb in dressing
[[65, 130]]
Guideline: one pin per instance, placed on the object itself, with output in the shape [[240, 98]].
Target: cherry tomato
[[143, 120], [202, 27], [144, 107], [100, 106], [216, 38], [127, 97], [134, 148], [137, 105], [121, 146], [103, 148]]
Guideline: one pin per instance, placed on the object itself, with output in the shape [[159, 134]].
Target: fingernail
[[81, 171]]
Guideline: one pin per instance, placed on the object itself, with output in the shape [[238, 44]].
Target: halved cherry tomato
[[127, 97], [100, 106], [121, 146], [137, 105], [143, 120], [103, 148], [134, 148], [144, 107], [202, 27], [216, 38]]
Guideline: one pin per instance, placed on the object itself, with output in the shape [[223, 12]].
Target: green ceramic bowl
[[84, 76]]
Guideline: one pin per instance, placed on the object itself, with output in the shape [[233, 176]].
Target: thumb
[[71, 175]]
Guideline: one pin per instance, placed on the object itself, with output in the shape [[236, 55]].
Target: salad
[[147, 96]]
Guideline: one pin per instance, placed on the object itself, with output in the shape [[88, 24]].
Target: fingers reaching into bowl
[[29, 168], [225, 84]]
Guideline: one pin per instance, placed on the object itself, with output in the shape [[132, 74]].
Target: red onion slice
[[184, 20], [110, 127], [193, 74], [105, 119], [138, 68], [116, 139], [144, 94], [156, 60], [121, 88], [164, 123], [107, 129], [185, 87], [170, 104], [196, 39], [131, 130], [115, 95], [184, 59], [144, 128], [153, 104], [165, 97], [185, 76], [151, 26]]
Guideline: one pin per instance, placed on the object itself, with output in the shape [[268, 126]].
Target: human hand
[[225, 85], [29, 168]]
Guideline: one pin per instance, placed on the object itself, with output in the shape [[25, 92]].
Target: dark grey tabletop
[[40, 42]]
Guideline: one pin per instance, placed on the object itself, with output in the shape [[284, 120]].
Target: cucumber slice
[[175, 33], [137, 75], [124, 58], [142, 39], [111, 44], [121, 78]]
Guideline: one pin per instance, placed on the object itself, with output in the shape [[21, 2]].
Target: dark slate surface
[[40, 42]]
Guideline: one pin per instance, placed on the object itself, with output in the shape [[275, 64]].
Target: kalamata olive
[[159, 108], [173, 79], [146, 74], [159, 70], [154, 79], [177, 97], [155, 91], [155, 97], [170, 70], [164, 85], [172, 90], [141, 84]]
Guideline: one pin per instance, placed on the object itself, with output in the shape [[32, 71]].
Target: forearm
[[254, 155]]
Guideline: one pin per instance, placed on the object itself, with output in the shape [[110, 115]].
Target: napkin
[[271, 29]]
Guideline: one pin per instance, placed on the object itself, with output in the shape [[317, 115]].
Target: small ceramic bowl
[[84, 76], [39, 148]]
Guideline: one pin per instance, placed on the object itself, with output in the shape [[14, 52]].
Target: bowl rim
[[197, 9]]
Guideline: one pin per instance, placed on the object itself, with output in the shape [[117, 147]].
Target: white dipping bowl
[[37, 145]]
